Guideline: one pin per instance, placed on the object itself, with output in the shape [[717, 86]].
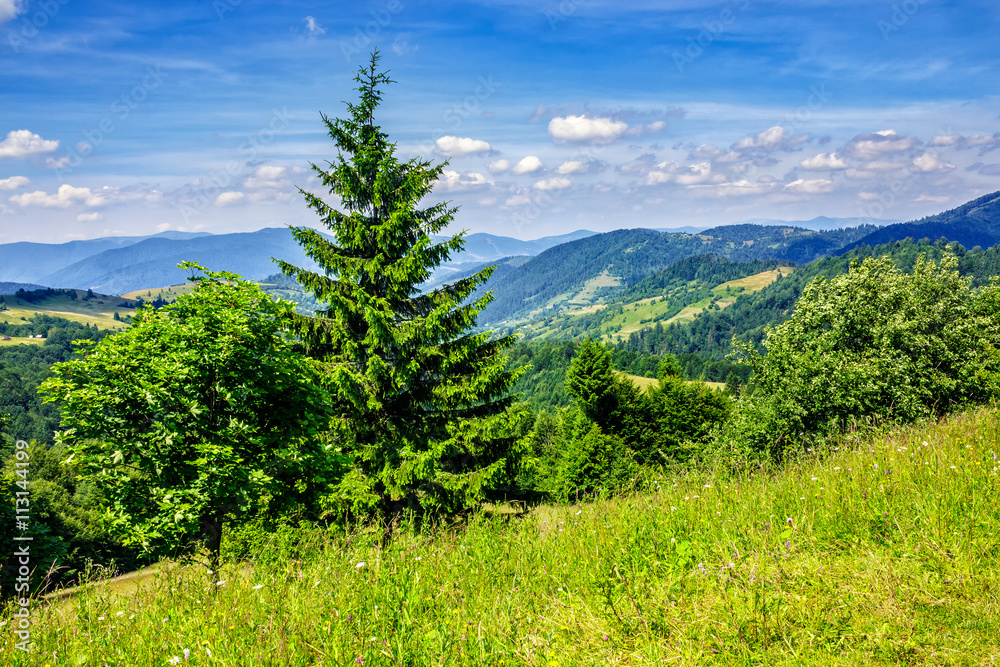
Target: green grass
[[168, 293], [880, 551], [98, 311], [22, 341]]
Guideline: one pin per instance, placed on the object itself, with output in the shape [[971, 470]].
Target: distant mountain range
[[117, 265], [530, 275]]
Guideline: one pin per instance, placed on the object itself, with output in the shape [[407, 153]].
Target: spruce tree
[[421, 398]]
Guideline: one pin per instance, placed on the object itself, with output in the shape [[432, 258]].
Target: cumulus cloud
[[499, 166], [268, 176], [640, 166], [583, 129], [773, 138], [824, 162], [66, 196], [671, 172], [520, 199], [705, 152], [528, 165], [882, 165], [929, 163], [22, 143], [459, 146], [554, 183], [945, 140], [879, 144], [591, 166], [89, 217], [13, 183], [453, 181], [812, 187], [650, 128], [229, 198], [937, 199]]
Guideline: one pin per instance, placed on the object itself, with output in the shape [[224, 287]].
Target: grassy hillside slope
[[882, 551]]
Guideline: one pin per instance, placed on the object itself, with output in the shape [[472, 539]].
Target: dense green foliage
[[420, 401], [197, 415], [875, 343]]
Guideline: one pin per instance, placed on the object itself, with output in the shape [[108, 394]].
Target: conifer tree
[[421, 398]]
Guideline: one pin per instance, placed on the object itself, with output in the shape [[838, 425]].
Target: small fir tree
[[421, 400]]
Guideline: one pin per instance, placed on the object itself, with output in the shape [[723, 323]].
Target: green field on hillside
[[98, 311], [879, 551], [644, 313]]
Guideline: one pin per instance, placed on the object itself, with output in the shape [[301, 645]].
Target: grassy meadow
[[881, 550], [99, 311]]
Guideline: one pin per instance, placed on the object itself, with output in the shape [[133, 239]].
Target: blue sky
[[134, 118]]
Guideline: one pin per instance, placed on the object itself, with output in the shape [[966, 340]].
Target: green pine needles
[[420, 398]]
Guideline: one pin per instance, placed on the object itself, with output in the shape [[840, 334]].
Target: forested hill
[[710, 334], [625, 257], [975, 223]]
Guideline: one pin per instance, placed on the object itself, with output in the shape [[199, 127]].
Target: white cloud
[[705, 152], [65, 197], [773, 138], [528, 165], [860, 174], [741, 188], [879, 144], [22, 143], [883, 165], [591, 166], [227, 198], [651, 128], [453, 181], [930, 162], [945, 140], [89, 217], [13, 183], [939, 199], [554, 183], [449, 145], [824, 162], [571, 167], [10, 8], [671, 172], [499, 166], [520, 199], [313, 27], [52, 163], [583, 129], [813, 187], [488, 201], [268, 176]]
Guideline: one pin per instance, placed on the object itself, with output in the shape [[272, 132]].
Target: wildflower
[[673, 509], [220, 583], [788, 520], [360, 565], [121, 613], [815, 479], [176, 660], [258, 587], [100, 618], [187, 654]]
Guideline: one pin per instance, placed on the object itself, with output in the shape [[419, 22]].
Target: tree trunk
[[211, 530]]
